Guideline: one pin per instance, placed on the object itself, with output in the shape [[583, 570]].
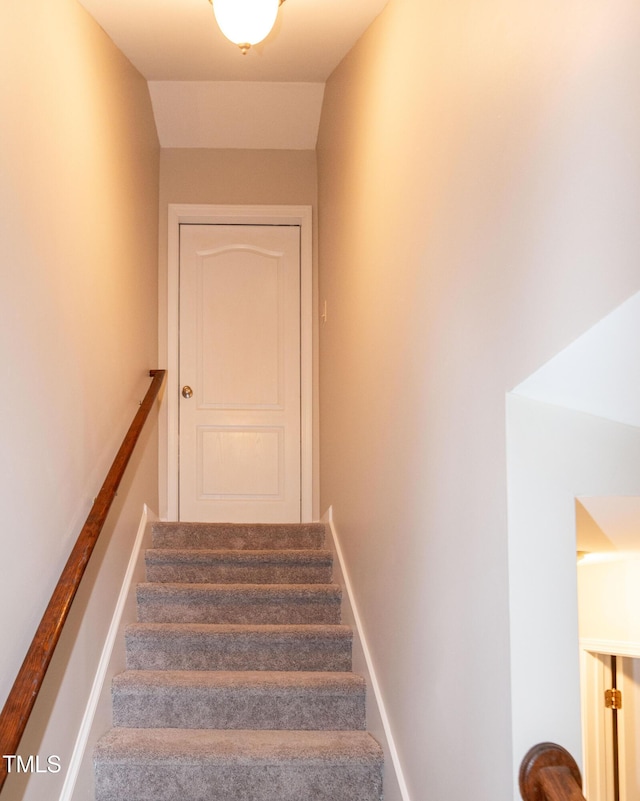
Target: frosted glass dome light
[[246, 22]]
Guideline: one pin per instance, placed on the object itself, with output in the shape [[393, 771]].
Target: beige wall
[[248, 177], [78, 288], [478, 173], [233, 177]]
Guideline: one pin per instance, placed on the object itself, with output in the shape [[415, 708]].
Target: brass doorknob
[[187, 392]]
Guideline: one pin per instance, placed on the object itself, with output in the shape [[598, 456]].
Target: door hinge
[[613, 699]]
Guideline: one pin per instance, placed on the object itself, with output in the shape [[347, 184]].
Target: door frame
[[240, 215], [596, 725]]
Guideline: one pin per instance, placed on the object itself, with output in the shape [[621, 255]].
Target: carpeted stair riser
[[221, 536], [239, 700], [203, 646], [233, 567], [213, 765], [238, 603]]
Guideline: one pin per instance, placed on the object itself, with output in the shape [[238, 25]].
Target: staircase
[[238, 684]]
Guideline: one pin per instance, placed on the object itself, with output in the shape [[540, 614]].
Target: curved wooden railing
[[549, 773], [16, 711]]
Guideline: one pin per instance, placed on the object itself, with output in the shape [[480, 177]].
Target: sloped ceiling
[[237, 114], [608, 524], [599, 373], [205, 93]]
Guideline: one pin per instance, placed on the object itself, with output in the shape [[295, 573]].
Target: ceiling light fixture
[[246, 22]]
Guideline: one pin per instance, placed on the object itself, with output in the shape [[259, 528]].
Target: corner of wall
[[395, 788]]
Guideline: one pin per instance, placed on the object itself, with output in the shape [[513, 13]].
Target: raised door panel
[[240, 328]]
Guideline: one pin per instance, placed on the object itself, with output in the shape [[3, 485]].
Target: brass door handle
[[187, 392]]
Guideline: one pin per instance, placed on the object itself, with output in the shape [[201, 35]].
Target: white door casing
[[595, 677], [629, 725], [239, 420], [179, 214]]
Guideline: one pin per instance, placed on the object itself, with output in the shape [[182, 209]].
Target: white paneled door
[[239, 421]]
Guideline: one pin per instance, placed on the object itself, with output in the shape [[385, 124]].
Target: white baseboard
[[103, 671], [377, 719]]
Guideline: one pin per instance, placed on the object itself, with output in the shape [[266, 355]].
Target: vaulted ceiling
[[205, 93]]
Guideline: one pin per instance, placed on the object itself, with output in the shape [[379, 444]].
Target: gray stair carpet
[[238, 684]]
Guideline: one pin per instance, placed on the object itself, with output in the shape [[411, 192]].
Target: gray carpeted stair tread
[[195, 631], [266, 566], [264, 555], [238, 536], [196, 764], [210, 646], [239, 700], [239, 603], [239, 746], [224, 593], [260, 680]]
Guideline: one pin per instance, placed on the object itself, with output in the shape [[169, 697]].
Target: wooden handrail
[[548, 772], [16, 711]]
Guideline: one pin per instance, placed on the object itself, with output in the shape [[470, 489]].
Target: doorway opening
[[611, 726], [608, 581]]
